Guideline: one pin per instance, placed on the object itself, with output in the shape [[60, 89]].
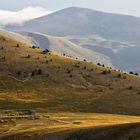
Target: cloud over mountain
[[19, 17]]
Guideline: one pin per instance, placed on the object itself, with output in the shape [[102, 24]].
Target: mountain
[[82, 21], [64, 92], [119, 33]]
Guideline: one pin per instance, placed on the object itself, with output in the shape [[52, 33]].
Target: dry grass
[[64, 122]]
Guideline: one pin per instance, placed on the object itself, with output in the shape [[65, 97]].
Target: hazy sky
[[18, 11], [131, 7]]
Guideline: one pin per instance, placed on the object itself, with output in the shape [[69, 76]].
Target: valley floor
[[72, 126]]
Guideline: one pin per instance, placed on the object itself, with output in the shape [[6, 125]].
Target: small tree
[[119, 76]]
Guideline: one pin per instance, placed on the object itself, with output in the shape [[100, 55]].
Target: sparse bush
[[47, 61], [39, 72], [33, 73], [17, 45], [85, 67], [68, 70], [119, 75], [91, 69], [104, 72], [136, 74], [46, 51], [101, 90], [131, 72], [130, 88], [19, 73], [28, 56], [109, 72], [36, 72]]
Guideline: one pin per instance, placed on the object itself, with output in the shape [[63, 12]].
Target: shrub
[[119, 76], [130, 88], [28, 56], [33, 47], [109, 72], [19, 73], [131, 72], [91, 69], [104, 72], [46, 51], [17, 46], [68, 70], [2, 48], [33, 73], [136, 74], [39, 72], [85, 67], [47, 61]]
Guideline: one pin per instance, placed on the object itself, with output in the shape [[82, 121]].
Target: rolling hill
[[104, 31], [65, 92], [81, 21], [63, 46]]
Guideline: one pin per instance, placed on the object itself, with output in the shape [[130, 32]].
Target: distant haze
[[130, 7]]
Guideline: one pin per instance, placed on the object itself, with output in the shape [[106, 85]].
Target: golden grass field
[[74, 93]]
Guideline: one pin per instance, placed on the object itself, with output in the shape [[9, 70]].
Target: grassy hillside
[[50, 82], [66, 94]]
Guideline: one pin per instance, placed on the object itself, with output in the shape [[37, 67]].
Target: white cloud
[[19, 17]]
